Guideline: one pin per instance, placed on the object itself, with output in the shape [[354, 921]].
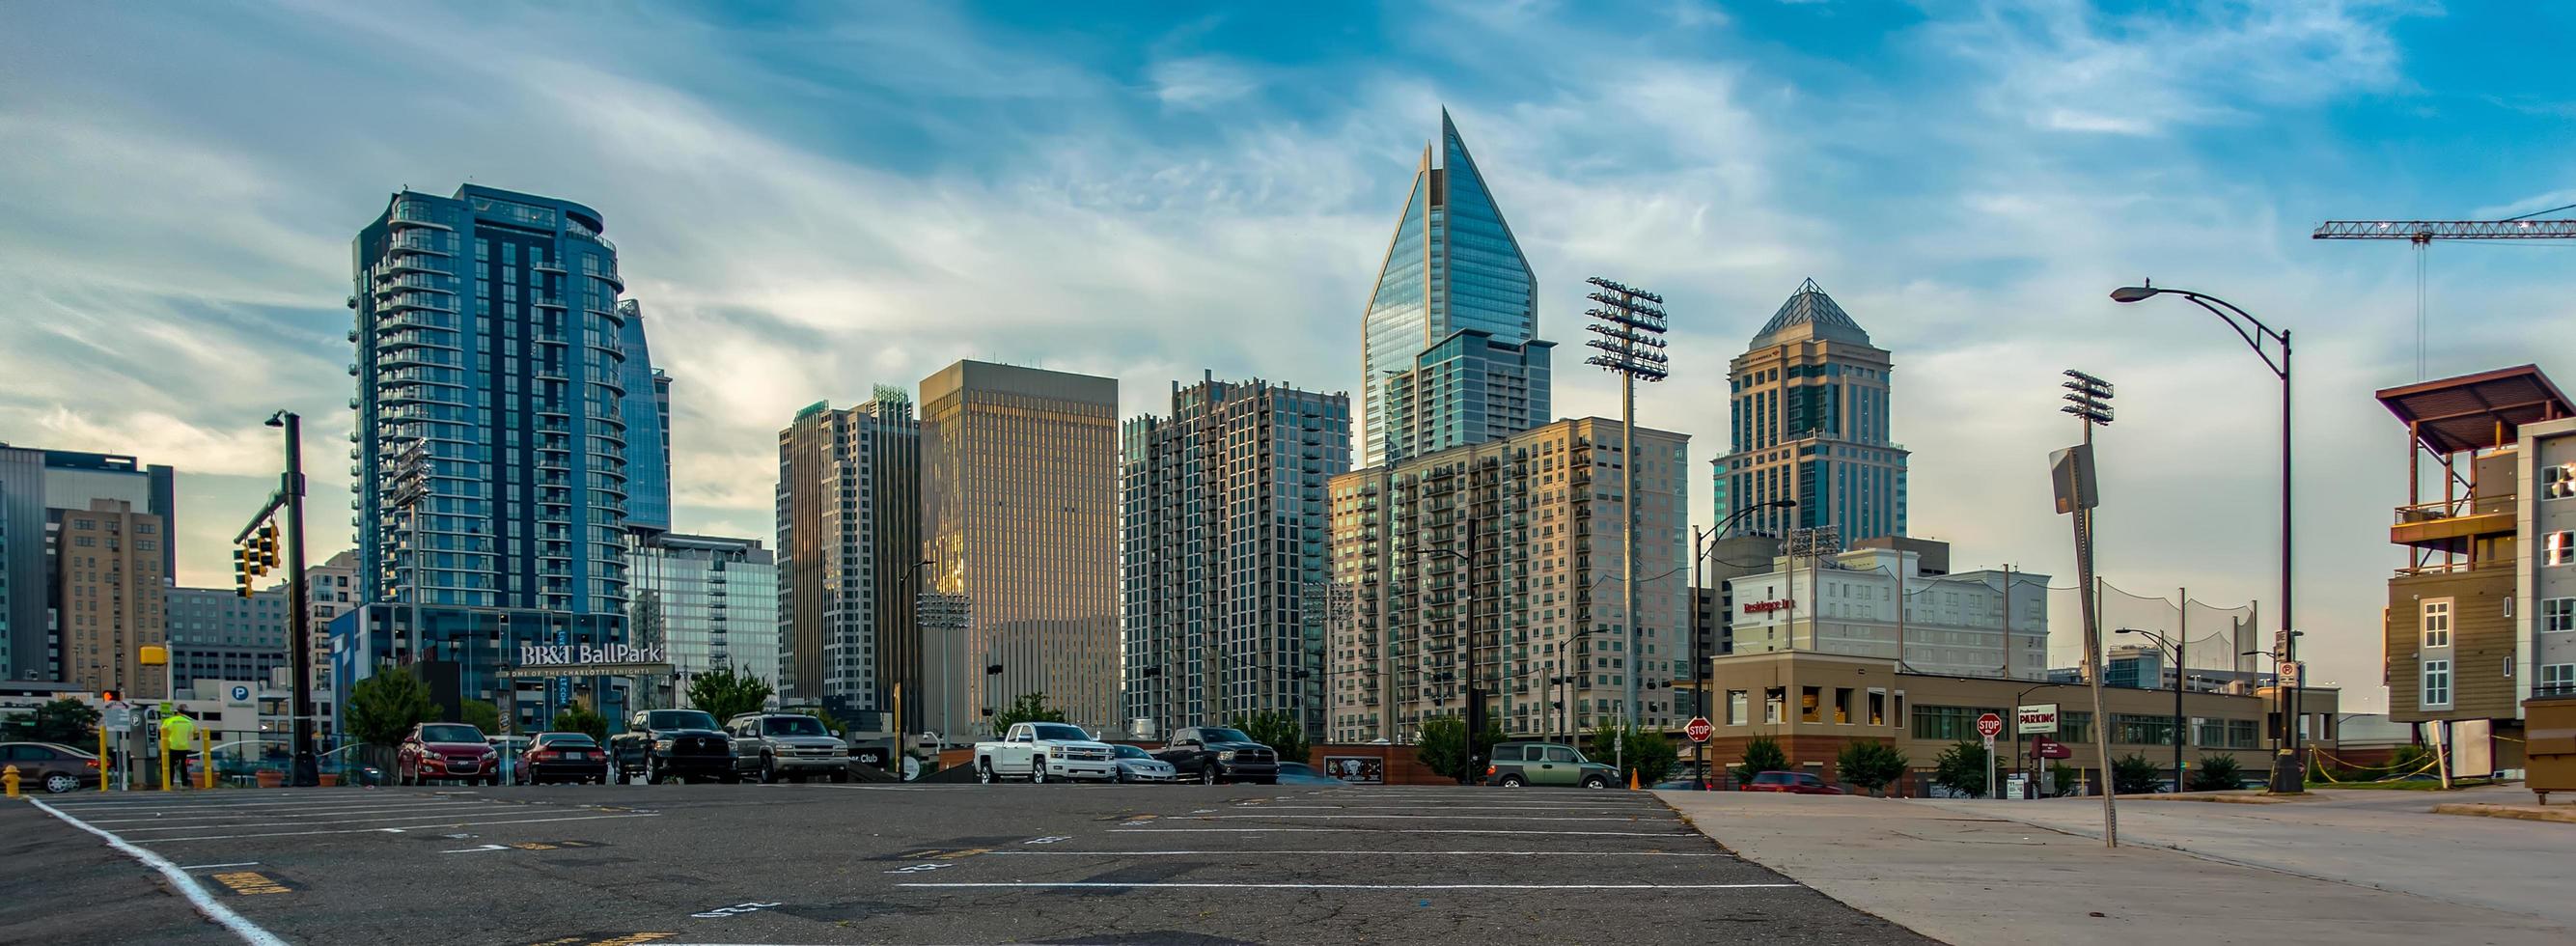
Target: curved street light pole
[[1699, 660], [2288, 774], [2172, 646]]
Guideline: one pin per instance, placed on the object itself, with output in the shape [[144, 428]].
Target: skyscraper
[[1450, 351], [849, 530], [34, 484], [110, 601], [488, 329], [710, 603], [216, 634], [1810, 419], [644, 404], [1019, 513], [1224, 518]]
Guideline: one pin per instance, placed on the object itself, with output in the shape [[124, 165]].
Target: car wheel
[[1512, 781], [768, 769], [61, 782], [984, 771], [1037, 770], [652, 770], [1207, 774], [1595, 781]]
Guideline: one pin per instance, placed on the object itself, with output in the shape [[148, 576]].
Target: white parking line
[[1457, 807], [298, 821], [1238, 851], [284, 814], [181, 801], [187, 886], [1095, 885], [1429, 817], [393, 830], [1594, 834]]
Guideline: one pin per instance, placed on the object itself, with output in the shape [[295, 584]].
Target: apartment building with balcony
[[2482, 615]]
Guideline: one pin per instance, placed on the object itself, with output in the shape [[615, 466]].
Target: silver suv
[[774, 746]]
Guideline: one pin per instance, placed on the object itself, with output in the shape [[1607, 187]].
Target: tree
[[1761, 755], [1647, 755], [1443, 746], [387, 704], [1962, 768], [480, 714], [576, 717], [2062, 776], [726, 693], [67, 721], [2135, 774], [2217, 773], [1871, 765], [1029, 708], [1278, 730]]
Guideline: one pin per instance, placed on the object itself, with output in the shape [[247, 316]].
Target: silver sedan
[[1136, 766]]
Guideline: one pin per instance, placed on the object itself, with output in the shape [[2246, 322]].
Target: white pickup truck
[[1043, 752]]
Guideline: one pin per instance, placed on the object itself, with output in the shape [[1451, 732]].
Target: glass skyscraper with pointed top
[[1450, 348]]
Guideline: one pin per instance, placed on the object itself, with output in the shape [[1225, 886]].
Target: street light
[[2173, 646], [1631, 323], [2288, 775], [1699, 661]]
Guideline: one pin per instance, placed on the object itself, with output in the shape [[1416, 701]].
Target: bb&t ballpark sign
[[550, 660]]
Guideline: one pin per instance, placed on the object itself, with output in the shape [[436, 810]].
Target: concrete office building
[[2482, 616], [34, 484], [336, 589], [111, 595], [1846, 604], [1810, 420], [488, 328], [1224, 536], [216, 634], [849, 536], [709, 602], [1450, 351], [1019, 513], [1550, 653]]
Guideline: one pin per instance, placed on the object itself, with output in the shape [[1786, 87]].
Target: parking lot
[[819, 863]]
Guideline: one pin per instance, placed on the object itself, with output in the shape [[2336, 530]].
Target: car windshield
[[1131, 752], [1063, 731], [1223, 735], [679, 719], [565, 739], [1773, 778], [450, 732], [793, 726]]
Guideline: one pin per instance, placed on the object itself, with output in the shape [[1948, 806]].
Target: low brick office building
[[1813, 704]]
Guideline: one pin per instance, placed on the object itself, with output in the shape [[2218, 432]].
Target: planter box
[[271, 778]]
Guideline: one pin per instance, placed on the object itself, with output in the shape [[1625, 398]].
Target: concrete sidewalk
[[1970, 877]]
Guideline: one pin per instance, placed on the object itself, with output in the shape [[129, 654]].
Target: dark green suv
[[1546, 763]]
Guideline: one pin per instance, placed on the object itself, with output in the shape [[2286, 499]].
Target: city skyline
[[1272, 196]]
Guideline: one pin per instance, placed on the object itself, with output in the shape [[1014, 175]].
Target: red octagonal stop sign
[[1698, 729], [1989, 725]]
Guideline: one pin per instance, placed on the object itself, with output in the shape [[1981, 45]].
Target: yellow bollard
[[165, 771], [102, 759], [205, 761], [9, 777]]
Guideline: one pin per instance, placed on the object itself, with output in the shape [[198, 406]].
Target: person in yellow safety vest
[[178, 734]]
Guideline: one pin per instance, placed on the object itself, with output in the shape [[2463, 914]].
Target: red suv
[[1793, 783], [447, 751]]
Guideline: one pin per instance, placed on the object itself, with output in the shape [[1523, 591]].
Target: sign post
[[1989, 726]]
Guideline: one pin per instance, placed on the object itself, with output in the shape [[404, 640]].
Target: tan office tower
[[1809, 411], [113, 596], [1019, 513]]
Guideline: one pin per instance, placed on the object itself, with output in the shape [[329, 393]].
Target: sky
[[813, 199]]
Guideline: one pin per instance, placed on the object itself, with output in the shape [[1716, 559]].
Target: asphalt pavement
[[814, 864]]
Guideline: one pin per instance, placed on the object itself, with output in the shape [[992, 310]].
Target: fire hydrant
[[9, 777]]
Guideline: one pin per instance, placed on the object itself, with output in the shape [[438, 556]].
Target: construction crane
[[2422, 233]]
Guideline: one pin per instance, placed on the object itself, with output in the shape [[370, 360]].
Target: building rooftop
[[2476, 411], [1810, 306]]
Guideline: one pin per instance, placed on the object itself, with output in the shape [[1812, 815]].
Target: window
[[1947, 723], [1737, 707], [2556, 680], [2074, 726], [2437, 683], [2558, 482], [2560, 549], [2558, 614], [2437, 623]]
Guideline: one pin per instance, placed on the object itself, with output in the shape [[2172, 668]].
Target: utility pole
[[1631, 325], [2071, 471], [307, 764]]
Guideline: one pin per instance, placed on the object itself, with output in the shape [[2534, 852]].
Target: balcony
[[2452, 525]]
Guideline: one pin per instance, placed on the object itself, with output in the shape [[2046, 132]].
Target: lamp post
[[1699, 661], [2288, 774], [2016, 723], [308, 766], [2173, 646], [1631, 326]]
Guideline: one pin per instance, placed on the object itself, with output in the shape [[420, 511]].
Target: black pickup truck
[[666, 743], [1212, 754]]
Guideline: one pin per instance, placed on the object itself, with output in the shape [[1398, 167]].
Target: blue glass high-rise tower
[[1450, 353]]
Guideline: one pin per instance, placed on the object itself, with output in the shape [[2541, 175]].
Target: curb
[[2563, 815]]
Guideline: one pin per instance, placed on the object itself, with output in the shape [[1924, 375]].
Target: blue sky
[[813, 199]]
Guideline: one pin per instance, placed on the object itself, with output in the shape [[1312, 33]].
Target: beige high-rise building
[[1538, 513], [112, 596], [1019, 513], [1810, 417], [849, 534]]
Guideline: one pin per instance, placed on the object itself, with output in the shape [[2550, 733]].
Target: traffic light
[[110, 696], [241, 570], [267, 545]]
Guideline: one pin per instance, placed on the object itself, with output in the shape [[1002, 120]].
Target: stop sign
[[1698, 729], [1989, 725]]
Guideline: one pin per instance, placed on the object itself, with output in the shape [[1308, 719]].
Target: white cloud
[[1201, 82]]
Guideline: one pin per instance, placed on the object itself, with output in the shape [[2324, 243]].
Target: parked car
[[445, 752], [667, 743], [1043, 751], [1299, 773], [1792, 783], [1137, 765], [563, 757], [774, 746], [57, 767], [1516, 764], [507, 751], [1684, 785], [1212, 754]]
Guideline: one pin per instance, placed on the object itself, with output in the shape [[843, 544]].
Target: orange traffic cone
[[1632, 780]]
